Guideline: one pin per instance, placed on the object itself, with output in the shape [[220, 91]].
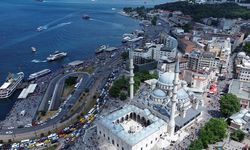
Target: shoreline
[[89, 60]]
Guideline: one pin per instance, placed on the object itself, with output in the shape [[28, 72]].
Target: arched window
[[126, 118]]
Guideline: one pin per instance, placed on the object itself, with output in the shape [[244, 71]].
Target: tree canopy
[[70, 81], [214, 131], [154, 20], [125, 55], [199, 11], [196, 145], [246, 47], [229, 104], [120, 87], [237, 135]]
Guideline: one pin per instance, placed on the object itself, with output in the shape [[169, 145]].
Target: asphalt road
[[52, 122]]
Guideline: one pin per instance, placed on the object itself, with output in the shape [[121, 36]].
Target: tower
[[174, 98], [131, 74]]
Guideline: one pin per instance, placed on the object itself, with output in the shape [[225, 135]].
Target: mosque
[[157, 113]]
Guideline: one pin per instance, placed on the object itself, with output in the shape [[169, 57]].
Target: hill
[[199, 11]]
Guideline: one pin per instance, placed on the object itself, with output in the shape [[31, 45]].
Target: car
[[10, 128], [28, 125], [9, 132]]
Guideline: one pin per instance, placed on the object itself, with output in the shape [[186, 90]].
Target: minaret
[[131, 74], [174, 98]]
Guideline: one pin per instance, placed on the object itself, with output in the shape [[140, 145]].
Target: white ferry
[[101, 49], [39, 74], [56, 55], [9, 86]]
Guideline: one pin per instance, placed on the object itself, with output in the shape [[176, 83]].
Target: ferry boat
[[9, 86], [101, 49], [56, 55], [39, 74], [41, 28]]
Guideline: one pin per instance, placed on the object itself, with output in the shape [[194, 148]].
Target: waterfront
[[66, 32]]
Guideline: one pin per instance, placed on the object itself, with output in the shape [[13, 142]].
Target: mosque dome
[[182, 94], [159, 93], [167, 78], [241, 54]]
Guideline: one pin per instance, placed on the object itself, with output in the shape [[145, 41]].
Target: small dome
[[182, 94], [241, 54], [167, 78], [159, 93]]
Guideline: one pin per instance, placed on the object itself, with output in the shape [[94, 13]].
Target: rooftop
[[240, 89], [5, 85], [121, 131]]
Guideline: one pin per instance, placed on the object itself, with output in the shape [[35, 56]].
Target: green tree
[[154, 20], [246, 47], [187, 27], [197, 11], [123, 96], [196, 145], [128, 9], [229, 104], [70, 81], [237, 135], [125, 55], [214, 130], [86, 90]]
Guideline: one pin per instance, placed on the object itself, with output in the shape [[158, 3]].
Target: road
[[56, 97], [51, 123]]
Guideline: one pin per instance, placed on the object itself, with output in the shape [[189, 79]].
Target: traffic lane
[[48, 94], [50, 122], [55, 101]]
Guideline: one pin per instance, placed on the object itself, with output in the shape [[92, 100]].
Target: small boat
[[41, 28], [33, 49], [101, 49], [85, 17]]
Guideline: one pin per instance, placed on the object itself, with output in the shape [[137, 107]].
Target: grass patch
[[89, 69], [47, 115], [67, 90], [89, 106]]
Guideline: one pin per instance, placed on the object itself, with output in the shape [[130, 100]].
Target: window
[[146, 145], [100, 132], [113, 142], [122, 148], [108, 138], [151, 142], [104, 135], [141, 148], [155, 139]]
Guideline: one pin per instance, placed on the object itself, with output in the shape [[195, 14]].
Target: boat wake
[[38, 61], [116, 25], [62, 24]]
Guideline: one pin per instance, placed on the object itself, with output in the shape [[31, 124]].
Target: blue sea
[[66, 31]]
